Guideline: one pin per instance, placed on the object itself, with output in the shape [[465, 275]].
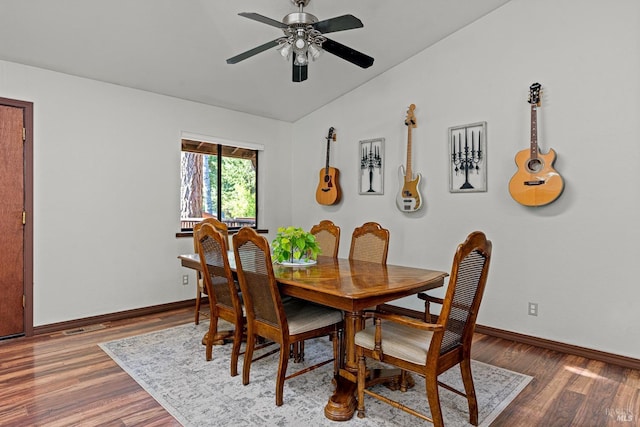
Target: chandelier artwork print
[[372, 166], [468, 158]]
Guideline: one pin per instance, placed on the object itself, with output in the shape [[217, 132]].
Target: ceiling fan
[[304, 39]]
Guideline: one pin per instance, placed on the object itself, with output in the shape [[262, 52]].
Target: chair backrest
[[221, 227], [328, 237], [464, 293], [217, 274], [370, 242], [259, 288]]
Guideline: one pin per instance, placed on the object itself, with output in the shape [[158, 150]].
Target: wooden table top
[[345, 284]]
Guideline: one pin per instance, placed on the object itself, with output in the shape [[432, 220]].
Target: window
[[218, 181]]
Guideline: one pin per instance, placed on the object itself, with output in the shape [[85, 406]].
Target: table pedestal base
[[221, 338], [393, 379], [342, 404]]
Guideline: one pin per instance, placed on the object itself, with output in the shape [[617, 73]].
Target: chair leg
[[248, 357], [403, 381], [294, 352], [336, 352], [343, 347], [197, 319], [213, 330], [434, 400], [235, 350], [467, 380], [282, 371], [362, 371]]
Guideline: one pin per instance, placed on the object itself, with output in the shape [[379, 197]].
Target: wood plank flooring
[[63, 380]]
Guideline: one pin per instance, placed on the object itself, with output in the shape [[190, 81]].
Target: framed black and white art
[[371, 180], [468, 158]]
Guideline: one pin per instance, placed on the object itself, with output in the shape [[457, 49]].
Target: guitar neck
[[326, 168], [409, 174], [534, 132]]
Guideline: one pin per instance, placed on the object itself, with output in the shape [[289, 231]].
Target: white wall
[[107, 173], [578, 257], [106, 189]]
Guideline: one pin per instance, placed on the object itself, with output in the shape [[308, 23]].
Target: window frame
[[223, 145]]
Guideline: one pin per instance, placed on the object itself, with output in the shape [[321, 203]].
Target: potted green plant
[[294, 245]]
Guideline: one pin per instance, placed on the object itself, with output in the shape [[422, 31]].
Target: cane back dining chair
[[200, 288], [429, 349], [224, 301], [268, 317], [328, 237], [369, 242]]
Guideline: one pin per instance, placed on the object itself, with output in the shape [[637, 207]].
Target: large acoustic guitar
[[536, 183], [409, 199], [328, 191]]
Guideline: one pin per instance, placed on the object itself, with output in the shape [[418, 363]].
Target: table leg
[[352, 324], [342, 404]]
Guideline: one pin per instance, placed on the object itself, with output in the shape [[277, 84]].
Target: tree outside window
[[218, 181]]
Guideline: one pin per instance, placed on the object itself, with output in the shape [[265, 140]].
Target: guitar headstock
[[332, 134], [534, 94], [411, 118]]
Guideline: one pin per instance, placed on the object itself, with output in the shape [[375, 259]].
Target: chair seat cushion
[[398, 340], [304, 316]]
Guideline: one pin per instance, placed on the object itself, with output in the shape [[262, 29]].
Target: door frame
[[27, 109]]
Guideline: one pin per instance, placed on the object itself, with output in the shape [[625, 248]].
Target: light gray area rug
[[170, 365]]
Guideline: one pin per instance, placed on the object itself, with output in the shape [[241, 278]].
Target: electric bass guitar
[[328, 191], [409, 199], [536, 183]]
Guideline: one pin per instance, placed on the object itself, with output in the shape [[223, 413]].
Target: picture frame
[[468, 158], [371, 176]]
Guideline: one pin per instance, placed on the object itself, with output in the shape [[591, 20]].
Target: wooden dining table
[[351, 286]]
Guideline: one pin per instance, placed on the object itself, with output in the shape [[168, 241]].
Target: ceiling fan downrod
[[300, 3]]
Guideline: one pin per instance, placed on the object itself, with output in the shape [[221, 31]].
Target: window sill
[[189, 233]]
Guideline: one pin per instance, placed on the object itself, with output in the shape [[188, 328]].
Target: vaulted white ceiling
[[179, 47]]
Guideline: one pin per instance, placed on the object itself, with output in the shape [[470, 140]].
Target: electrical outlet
[[185, 279], [533, 309]]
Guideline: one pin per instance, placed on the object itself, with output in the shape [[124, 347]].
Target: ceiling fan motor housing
[[299, 19]]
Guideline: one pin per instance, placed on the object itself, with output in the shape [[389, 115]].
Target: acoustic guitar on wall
[[328, 191], [409, 199], [536, 183]]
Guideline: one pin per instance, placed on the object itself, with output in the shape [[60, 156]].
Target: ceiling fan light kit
[[304, 39]]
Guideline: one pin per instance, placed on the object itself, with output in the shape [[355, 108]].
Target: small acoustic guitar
[[409, 199], [328, 191], [536, 183]]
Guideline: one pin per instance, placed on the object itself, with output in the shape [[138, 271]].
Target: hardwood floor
[[60, 380]]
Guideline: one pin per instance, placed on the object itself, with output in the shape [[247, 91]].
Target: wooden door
[[12, 221]]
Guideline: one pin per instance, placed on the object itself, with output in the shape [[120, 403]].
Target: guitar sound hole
[[534, 165]]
